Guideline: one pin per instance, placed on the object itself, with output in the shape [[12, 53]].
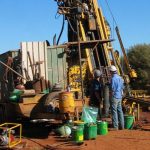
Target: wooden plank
[[45, 60], [36, 53], [65, 66], [61, 69], [41, 57], [54, 66], [49, 65], [32, 100], [29, 49], [24, 57]]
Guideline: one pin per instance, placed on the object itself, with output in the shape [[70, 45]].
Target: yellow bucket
[[66, 102]]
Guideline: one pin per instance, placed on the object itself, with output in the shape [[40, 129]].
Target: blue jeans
[[117, 113]]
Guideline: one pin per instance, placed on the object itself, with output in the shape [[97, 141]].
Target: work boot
[[113, 129], [120, 128]]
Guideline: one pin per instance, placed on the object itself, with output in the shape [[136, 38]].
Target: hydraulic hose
[[62, 29]]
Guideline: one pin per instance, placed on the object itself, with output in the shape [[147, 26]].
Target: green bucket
[[77, 134], [90, 131], [79, 124], [129, 120], [102, 127]]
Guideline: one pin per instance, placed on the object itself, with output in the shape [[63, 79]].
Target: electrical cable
[[114, 21], [111, 12]]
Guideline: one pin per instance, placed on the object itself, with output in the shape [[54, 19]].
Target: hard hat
[[97, 73], [113, 68]]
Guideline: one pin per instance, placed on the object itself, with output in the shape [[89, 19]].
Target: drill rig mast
[[88, 27]]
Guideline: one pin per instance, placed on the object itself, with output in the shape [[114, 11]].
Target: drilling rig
[[89, 45], [70, 65]]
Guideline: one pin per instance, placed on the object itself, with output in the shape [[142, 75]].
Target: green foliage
[[139, 58]]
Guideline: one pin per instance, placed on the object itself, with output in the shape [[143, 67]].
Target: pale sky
[[34, 20]]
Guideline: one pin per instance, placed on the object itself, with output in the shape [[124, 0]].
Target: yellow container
[[66, 102]]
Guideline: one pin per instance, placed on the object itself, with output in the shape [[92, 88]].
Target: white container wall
[[37, 53]]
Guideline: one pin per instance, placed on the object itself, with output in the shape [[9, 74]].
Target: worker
[[116, 93], [95, 92]]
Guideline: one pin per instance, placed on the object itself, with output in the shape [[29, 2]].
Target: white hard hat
[[97, 73], [113, 68]]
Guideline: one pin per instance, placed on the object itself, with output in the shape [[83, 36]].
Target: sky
[[36, 20]]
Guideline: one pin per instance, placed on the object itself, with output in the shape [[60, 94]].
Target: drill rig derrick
[[86, 23]]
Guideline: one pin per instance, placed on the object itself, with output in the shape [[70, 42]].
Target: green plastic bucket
[[77, 134], [90, 131], [79, 124], [129, 120], [102, 127]]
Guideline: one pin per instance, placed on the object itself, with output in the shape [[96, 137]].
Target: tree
[[139, 58]]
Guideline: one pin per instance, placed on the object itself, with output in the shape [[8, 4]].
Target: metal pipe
[[13, 70], [138, 100], [79, 50], [122, 47], [31, 64], [106, 101]]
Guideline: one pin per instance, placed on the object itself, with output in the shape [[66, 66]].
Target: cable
[[71, 25], [114, 20], [111, 12]]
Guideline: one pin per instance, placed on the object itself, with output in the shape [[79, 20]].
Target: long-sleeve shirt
[[95, 89], [117, 86]]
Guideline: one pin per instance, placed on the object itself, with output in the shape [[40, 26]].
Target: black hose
[[62, 29]]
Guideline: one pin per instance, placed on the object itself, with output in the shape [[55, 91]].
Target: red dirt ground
[[115, 140], [138, 139]]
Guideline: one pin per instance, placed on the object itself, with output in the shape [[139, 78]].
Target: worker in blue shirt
[[116, 92], [95, 92]]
